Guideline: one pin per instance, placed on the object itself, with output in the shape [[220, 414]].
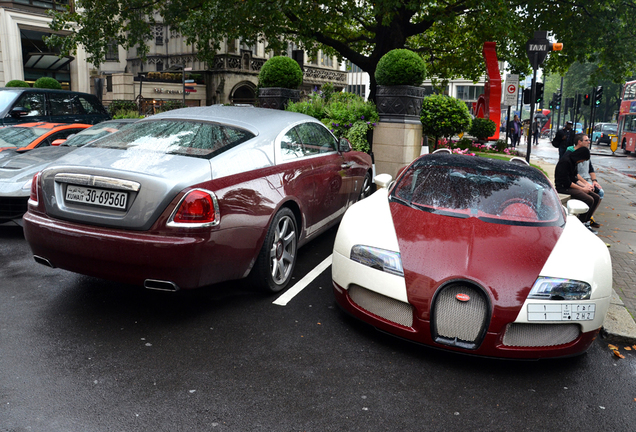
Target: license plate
[[99, 197], [561, 312]]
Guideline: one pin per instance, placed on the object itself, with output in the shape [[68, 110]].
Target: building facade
[[23, 53]]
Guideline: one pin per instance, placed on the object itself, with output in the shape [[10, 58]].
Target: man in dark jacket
[[566, 181], [564, 138]]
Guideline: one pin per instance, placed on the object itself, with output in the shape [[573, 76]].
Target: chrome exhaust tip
[[160, 285], [43, 261]]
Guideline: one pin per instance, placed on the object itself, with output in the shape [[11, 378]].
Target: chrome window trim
[[217, 215], [98, 181]]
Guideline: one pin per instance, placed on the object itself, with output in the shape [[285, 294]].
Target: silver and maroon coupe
[[195, 196], [473, 255]]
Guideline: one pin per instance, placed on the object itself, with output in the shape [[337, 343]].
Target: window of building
[[59, 5], [112, 51], [109, 83], [469, 92], [359, 89], [158, 34]]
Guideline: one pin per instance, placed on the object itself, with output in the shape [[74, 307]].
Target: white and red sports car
[[473, 255]]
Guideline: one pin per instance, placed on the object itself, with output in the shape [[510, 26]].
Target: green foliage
[[327, 90], [122, 105], [17, 83], [444, 116], [464, 143], [345, 114], [126, 114], [357, 135], [280, 72], [400, 67], [47, 83], [170, 105], [501, 145], [482, 128], [449, 36], [314, 106]]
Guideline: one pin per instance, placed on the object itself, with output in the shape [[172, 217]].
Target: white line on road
[[302, 284]]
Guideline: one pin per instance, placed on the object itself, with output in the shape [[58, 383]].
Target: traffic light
[[526, 96], [551, 104], [586, 99], [538, 92], [557, 100], [598, 95]]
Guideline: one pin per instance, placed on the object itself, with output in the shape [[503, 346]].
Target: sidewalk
[[617, 214]]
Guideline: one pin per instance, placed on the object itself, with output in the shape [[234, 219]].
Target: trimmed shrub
[[282, 72], [400, 67], [47, 83], [444, 116], [17, 83], [482, 128]]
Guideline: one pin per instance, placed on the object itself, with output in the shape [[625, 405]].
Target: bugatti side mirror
[[576, 207], [383, 180], [344, 145]]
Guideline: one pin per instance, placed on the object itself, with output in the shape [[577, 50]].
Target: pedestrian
[[566, 181], [536, 128], [515, 131], [563, 138], [586, 173]]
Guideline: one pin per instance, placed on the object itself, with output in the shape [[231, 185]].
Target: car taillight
[[199, 206], [33, 197]]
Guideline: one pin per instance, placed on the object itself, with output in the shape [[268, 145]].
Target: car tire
[[367, 187], [276, 261]]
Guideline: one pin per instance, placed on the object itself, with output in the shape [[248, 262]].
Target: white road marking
[[302, 284]]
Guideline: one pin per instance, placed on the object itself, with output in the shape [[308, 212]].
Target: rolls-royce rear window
[[188, 138]]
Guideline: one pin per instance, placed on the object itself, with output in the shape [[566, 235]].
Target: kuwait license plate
[[561, 312], [99, 197]]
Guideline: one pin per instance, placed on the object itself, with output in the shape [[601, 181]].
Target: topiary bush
[[17, 83], [47, 83], [444, 116], [482, 128], [400, 67], [170, 105], [282, 72]]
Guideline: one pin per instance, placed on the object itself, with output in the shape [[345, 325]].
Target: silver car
[[17, 168]]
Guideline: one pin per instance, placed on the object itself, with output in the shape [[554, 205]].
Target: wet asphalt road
[[83, 354]]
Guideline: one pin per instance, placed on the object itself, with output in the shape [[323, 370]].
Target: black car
[[28, 105]]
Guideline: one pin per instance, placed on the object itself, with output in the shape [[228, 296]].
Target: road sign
[[512, 88]]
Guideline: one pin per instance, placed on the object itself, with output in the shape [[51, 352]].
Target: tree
[[448, 35], [444, 116]]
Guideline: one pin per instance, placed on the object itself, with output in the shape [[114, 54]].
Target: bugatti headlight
[[379, 259], [560, 289]]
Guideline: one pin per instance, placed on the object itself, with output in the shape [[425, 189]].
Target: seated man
[[587, 176], [566, 181]]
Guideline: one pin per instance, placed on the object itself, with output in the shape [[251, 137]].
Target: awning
[[49, 61]]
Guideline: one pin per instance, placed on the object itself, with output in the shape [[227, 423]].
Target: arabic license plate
[[99, 197], [561, 312]]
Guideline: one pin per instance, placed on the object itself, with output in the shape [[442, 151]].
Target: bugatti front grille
[[382, 306], [11, 208], [539, 335], [460, 316]]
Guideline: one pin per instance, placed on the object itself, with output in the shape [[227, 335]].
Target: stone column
[[395, 145]]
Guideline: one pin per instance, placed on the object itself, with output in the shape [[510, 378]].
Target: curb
[[618, 326]]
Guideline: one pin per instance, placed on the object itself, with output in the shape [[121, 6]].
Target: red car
[[27, 136], [195, 196]]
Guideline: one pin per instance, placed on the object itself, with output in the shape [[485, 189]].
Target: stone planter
[[277, 97], [399, 104]]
